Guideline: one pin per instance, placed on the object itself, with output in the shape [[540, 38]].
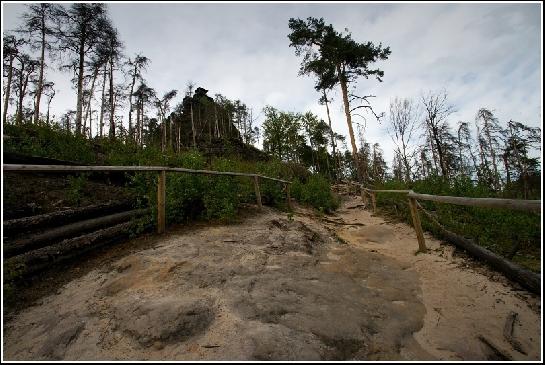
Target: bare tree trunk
[[522, 167], [440, 153], [507, 171], [101, 120], [8, 88], [493, 155], [22, 93], [40, 86], [344, 90], [138, 133], [79, 104], [333, 144], [141, 122], [432, 147], [112, 104], [48, 106], [130, 102], [91, 125], [170, 136], [193, 126], [91, 92]]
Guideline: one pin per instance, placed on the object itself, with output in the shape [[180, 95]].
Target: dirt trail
[[466, 304], [275, 288]]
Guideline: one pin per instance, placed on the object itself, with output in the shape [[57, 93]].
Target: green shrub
[[44, 141], [76, 187], [512, 234], [315, 192]]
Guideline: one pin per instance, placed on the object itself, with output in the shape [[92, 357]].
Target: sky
[[483, 55]]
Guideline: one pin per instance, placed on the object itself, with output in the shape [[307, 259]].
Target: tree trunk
[[48, 105], [344, 90], [432, 147], [333, 144], [130, 102], [22, 93], [101, 119], [507, 172], [406, 163], [91, 92], [39, 89], [41, 258], [51, 236], [526, 278], [79, 104], [137, 136], [142, 122], [18, 113], [442, 162], [193, 126], [493, 155], [112, 104], [8, 88]]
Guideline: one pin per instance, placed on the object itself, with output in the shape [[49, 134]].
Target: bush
[[512, 234], [45, 141], [188, 196], [315, 192]]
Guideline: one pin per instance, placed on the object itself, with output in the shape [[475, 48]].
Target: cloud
[[484, 55]]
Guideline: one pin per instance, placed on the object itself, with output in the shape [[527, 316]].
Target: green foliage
[[188, 196], [315, 192], [512, 234], [76, 187], [12, 275], [44, 141], [221, 197]]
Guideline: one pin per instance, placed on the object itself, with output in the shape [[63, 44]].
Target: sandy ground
[[274, 287], [466, 304]]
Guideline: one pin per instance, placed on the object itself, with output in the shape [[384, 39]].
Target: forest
[[119, 118]]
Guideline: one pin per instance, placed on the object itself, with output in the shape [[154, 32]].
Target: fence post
[[374, 201], [288, 197], [417, 225], [161, 195], [257, 192], [363, 197]]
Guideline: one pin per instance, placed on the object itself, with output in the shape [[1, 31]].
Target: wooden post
[[288, 197], [374, 201], [257, 192], [417, 226], [161, 195], [363, 197]]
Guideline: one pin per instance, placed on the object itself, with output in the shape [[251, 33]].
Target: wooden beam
[[257, 192], [51, 168], [288, 197], [528, 279], [363, 197], [23, 168], [161, 196], [417, 226], [515, 204]]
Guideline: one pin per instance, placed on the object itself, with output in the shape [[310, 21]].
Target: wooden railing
[[513, 204], [161, 186], [525, 277]]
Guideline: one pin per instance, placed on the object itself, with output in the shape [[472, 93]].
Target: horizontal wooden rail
[[387, 191], [52, 168], [161, 183], [515, 204]]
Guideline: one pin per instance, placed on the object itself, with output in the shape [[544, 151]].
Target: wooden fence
[[524, 277], [161, 186]]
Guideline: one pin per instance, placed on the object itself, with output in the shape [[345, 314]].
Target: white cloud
[[484, 55]]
